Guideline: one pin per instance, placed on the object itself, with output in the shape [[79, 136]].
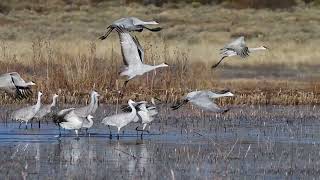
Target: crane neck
[[54, 102], [133, 109], [257, 49], [92, 100], [39, 100]]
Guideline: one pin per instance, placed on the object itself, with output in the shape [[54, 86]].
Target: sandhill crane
[[145, 113], [46, 109], [86, 110], [237, 47], [58, 117], [96, 103], [69, 120], [13, 84], [132, 59], [130, 24], [87, 123], [27, 113], [127, 108], [120, 120], [203, 99]]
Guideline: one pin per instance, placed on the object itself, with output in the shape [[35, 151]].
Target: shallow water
[[265, 142]]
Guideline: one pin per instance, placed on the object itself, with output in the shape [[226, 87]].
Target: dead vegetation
[[74, 75], [58, 48]]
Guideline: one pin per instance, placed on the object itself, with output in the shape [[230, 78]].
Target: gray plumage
[[144, 111], [27, 113], [146, 114], [134, 65], [95, 104], [69, 120], [127, 108], [58, 117], [237, 47], [13, 84], [122, 119], [139, 48], [92, 106], [47, 108], [87, 123], [204, 100], [130, 24]]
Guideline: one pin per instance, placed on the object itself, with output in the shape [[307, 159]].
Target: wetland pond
[[248, 142]]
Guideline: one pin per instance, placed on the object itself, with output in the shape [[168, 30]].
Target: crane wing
[[17, 80], [21, 89], [207, 104], [140, 49], [129, 49], [238, 46]]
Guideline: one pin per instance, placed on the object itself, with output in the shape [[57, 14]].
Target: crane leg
[[110, 135], [144, 127], [137, 131], [118, 134], [59, 131], [141, 136], [77, 134]]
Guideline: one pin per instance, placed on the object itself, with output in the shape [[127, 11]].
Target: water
[[256, 142]]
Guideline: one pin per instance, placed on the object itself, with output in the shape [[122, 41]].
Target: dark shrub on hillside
[[272, 4], [4, 9], [155, 2]]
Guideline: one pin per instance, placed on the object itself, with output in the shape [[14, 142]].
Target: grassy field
[[56, 44]]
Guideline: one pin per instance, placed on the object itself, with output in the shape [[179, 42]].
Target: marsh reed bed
[[74, 71]]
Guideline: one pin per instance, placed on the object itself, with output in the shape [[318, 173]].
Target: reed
[[76, 72]]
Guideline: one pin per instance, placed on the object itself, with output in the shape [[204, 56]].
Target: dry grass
[[58, 48]]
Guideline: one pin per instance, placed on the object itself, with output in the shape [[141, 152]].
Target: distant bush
[[272, 4], [313, 2], [161, 2], [4, 8], [7, 5]]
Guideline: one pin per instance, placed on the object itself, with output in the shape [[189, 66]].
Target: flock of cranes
[[133, 59]]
